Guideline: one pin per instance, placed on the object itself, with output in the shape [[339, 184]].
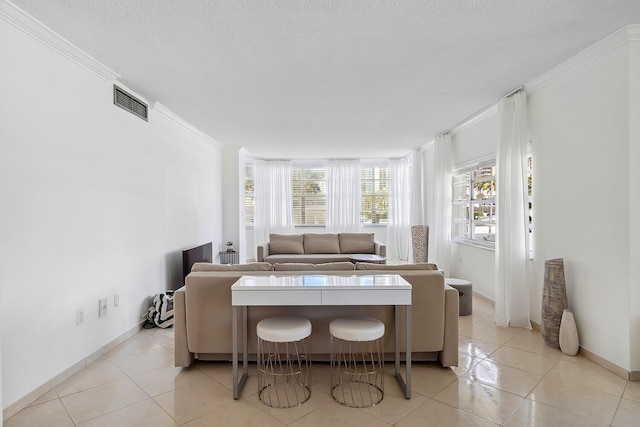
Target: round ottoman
[[465, 290]]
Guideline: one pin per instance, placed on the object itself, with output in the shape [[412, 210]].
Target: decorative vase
[[554, 301], [568, 333], [420, 242]]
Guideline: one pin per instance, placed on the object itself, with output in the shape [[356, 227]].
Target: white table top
[[320, 289]]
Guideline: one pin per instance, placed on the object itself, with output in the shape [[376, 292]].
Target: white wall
[[579, 127], [585, 189], [634, 207], [94, 202]]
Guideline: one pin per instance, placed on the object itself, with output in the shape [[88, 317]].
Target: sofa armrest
[[263, 251], [182, 356], [449, 354], [380, 249]]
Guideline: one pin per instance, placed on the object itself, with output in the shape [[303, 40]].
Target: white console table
[[304, 290]]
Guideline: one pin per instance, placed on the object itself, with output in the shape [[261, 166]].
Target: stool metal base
[[357, 377], [284, 373]]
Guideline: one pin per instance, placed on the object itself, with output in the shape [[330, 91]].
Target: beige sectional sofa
[[202, 310], [318, 247]]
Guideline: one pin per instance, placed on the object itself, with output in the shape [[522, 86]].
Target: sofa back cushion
[[306, 266], [325, 243], [391, 267], [335, 266], [357, 243], [254, 266], [293, 266], [286, 244]]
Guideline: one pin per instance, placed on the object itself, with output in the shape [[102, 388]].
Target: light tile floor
[[506, 377]]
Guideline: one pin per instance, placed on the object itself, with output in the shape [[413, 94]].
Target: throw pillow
[[357, 243], [325, 243], [286, 244]]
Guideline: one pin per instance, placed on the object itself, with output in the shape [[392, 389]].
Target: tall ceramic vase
[[554, 301], [420, 242]]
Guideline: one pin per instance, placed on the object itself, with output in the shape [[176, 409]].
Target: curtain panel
[[512, 292], [273, 199], [440, 230], [344, 196], [399, 226]]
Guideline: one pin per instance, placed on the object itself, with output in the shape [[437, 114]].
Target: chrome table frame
[[323, 290]]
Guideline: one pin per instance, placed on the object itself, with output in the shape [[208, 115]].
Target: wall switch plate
[[79, 316], [116, 300], [102, 307]]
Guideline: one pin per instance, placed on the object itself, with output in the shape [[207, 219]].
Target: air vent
[[130, 103]]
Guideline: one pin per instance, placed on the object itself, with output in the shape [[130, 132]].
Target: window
[[474, 204], [309, 191], [374, 181], [249, 201]]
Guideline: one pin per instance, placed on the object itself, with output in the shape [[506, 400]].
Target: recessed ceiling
[[329, 78]]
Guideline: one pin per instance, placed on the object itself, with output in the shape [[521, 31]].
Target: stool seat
[[357, 329], [283, 329]]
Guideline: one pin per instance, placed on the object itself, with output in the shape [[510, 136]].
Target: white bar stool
[[284, 367], [357, 378]]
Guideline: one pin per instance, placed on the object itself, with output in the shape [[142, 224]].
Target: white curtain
[[343, 196], [273, 199], [512, 293], [418, 207], [440, 229], [399, 227]]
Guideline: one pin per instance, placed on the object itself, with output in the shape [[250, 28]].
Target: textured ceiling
[[329, 78]]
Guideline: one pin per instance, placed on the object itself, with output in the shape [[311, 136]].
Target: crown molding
[[171, 117], [600, 48], [36, 29]]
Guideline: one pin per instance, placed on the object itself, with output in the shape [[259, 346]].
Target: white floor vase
[[568, 334]]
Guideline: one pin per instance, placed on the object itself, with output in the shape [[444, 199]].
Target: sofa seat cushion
[[325, 243], [286, 244], [357, 243], [310, 258]]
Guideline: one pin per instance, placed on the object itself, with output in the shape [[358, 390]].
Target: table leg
[[406, 385], [407, 311], [234, 345], [245, 345], [239, 384]]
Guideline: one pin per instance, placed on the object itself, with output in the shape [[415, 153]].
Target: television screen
[[202, 253]]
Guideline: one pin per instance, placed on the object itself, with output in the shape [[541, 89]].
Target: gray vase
[[554, 301], [420, 242]]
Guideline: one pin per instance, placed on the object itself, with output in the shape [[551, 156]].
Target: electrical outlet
[[116, 300], [102, 307], [79, 316]]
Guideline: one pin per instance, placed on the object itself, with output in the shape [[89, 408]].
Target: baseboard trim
[[634, 376], [484, 298], [536, 326], [609, 366], [24, 402]]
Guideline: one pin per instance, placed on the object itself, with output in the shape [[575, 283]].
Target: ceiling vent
[[130, 103]]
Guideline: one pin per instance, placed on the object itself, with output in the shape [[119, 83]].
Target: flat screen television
[[202, 253]]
